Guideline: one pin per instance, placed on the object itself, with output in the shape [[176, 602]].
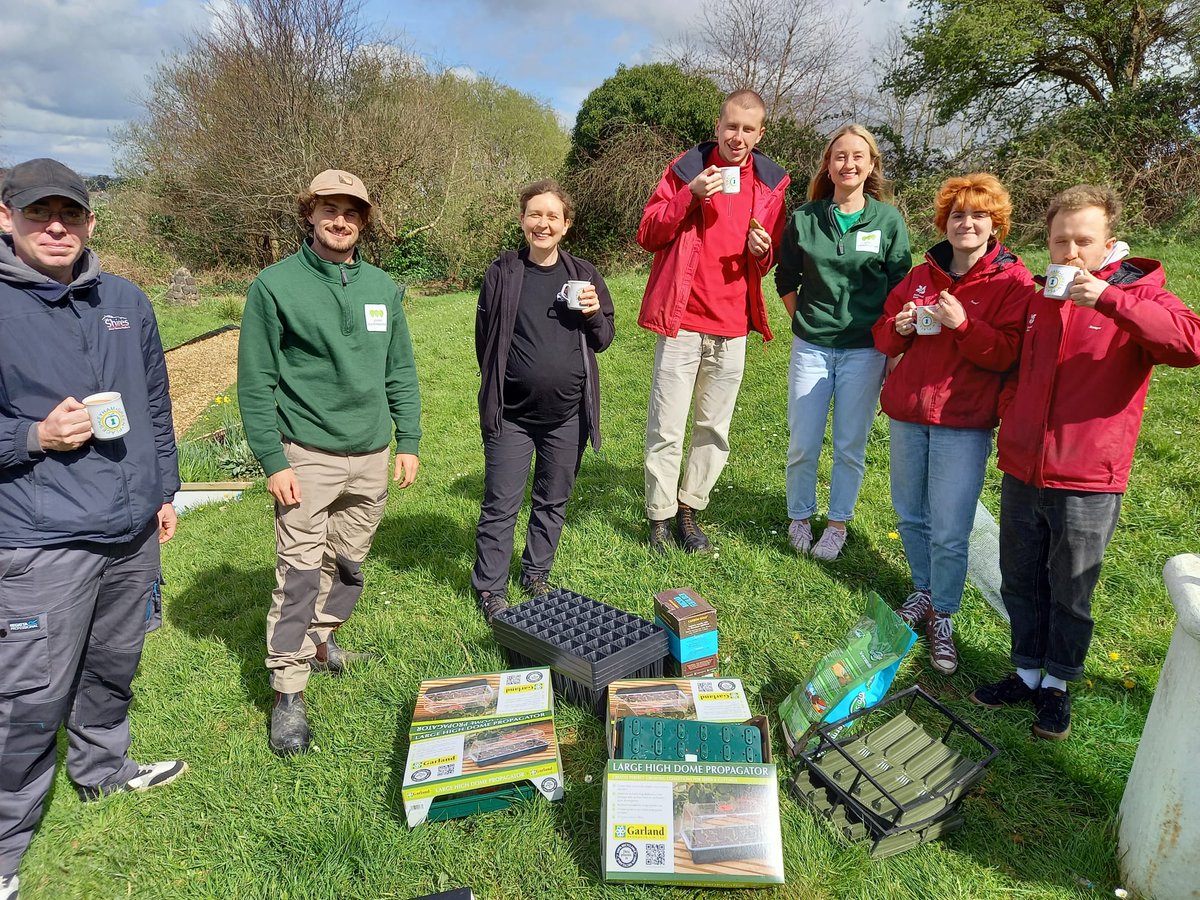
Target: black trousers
[[507, 457], [1052, 543]]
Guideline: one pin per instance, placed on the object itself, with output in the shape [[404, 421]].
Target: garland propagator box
[[691, 823], [692, 699], [479, 743]]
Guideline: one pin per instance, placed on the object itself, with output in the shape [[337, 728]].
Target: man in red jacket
[[1069, 424], [712, 225]]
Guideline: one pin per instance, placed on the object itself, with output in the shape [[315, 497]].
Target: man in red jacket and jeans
[[712, 225], [1068, 429]]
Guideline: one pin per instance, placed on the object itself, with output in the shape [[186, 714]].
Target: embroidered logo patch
[[34, 623], [919, 293], [1032, 319], [116, 323]]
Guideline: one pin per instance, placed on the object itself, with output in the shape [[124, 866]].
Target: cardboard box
[[697, 699], [699, 646], [702, 824], [696, 668], [478, 742], [684, 613]]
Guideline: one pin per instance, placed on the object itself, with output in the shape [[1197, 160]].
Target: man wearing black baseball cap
[[81, 518]]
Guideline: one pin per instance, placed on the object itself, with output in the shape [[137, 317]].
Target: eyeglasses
[[68, 215]]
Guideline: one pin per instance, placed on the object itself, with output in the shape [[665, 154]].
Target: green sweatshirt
[[325, 359], [840, 296]]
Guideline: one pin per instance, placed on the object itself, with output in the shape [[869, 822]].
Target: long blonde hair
[[821, 186]]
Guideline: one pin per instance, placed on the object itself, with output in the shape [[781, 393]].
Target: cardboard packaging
[[696, 668], [695, 699], [691, 823], [480, 742], [684, 613]]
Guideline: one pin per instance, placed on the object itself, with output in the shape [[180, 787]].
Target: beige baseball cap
[[335, 181]]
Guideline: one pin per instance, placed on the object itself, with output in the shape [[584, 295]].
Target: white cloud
[[73, 70]]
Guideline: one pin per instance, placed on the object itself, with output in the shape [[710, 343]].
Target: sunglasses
[[68, 215]]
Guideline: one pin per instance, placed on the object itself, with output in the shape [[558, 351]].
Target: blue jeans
[[1052, 542], [849, 380], [937, 474]]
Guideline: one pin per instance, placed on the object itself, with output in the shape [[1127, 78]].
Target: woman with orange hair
[[955, 322]]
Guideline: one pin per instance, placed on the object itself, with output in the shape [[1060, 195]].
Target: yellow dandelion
[[795, 635], [894, 535], [1114, 655], [1129, 684], [1089, 682]]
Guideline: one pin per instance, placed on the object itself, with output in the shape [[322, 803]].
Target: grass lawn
[[244, 824]]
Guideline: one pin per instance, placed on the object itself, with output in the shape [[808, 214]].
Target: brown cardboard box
[[696, 668], [684, 612]]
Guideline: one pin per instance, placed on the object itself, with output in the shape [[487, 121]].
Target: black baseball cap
[[37, 179]]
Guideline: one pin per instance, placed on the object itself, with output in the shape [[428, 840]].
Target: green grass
[[178, 324], [243, 824]]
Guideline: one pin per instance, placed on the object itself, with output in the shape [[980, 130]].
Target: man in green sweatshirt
[[325, 370]]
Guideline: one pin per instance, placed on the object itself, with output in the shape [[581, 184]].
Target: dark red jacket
[[954, 378], [496, 317], [1070, 418], [672, 228]]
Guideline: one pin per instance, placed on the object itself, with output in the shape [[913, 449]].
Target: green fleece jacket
[[839, 296], [325, 360]]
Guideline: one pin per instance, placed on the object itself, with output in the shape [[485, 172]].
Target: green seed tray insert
[[645, 737]]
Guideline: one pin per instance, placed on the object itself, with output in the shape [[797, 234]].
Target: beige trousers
[[321, 544], [707, 369]]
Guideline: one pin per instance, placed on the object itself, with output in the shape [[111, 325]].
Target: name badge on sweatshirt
[[868, 241], [376, 316]]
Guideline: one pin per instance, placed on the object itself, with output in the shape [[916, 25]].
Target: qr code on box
[[447, 769], [656, 854], [512, 679]]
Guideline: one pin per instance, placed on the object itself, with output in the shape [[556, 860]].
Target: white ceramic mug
[[107, 413], [1058, 280], [731, 179], [926, 323], [570, 293]]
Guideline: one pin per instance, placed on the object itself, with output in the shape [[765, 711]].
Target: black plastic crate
[[897, 775], [588, 641], [575, 691]]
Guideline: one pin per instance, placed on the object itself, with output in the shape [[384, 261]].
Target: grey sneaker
[[801, 536], [830, 545], [8, 887], [148, 776], [916, 609]]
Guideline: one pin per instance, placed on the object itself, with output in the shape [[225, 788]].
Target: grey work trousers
[[72, 622]]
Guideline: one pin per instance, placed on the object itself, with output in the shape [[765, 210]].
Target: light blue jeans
[[849, 380], [937, 474]]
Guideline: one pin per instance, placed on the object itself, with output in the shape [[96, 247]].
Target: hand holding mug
[[906, 319], [707, 183], [949, 311], [589, 300], [67, 427], [1086, 289]]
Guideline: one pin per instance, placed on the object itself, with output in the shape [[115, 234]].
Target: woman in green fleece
[[842, 253]]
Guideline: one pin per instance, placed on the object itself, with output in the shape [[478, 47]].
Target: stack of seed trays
[[647, 737], [587, 644], [894, 783]]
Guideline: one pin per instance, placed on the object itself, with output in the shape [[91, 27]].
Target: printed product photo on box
[[695, 699], [479, 743], [703, 824]]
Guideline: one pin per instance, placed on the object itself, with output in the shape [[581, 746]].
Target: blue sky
[[71, 70]]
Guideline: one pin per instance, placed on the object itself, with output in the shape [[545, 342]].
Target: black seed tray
[[588, 641], [576, 692]]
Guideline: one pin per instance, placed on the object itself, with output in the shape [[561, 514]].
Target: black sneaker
[[692, 539], [1053, 714], [1010, 691], [491, 603], [148, 776], [661, 539]]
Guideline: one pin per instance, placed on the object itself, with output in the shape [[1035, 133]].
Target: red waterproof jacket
[[672, 228], [1070, 418], [954, 378]]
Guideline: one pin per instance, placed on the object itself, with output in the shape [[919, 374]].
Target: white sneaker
[[800, 534], [8, 887], [149, 776], [830, 545]]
